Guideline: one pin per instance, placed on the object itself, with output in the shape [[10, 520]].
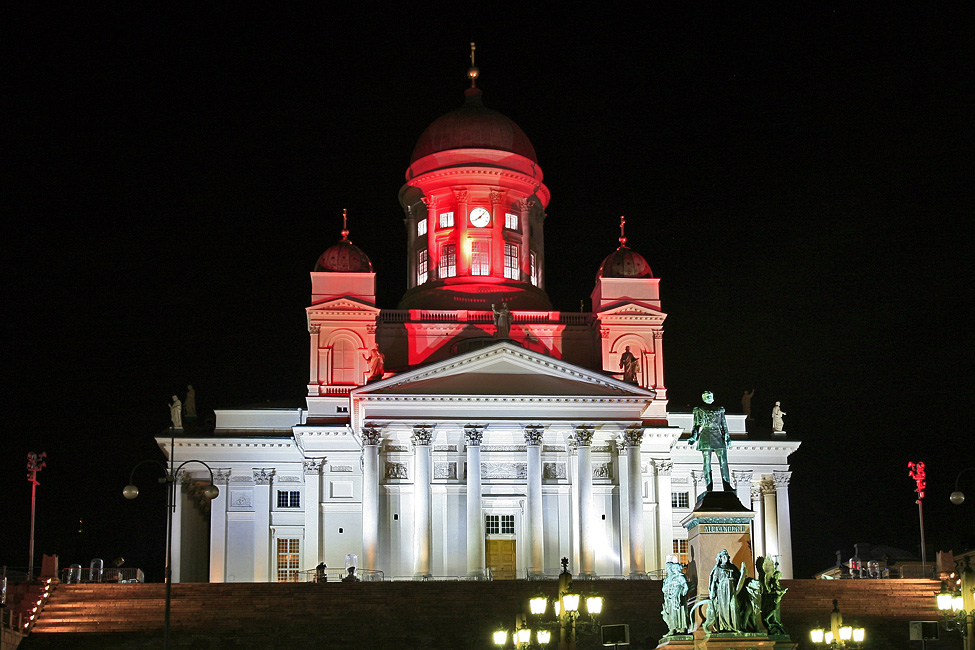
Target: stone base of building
[[702, 640]]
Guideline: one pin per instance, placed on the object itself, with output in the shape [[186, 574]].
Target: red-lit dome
[[624, 263], [344, 257], [473, 126]]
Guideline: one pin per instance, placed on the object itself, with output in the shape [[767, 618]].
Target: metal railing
[[76, 575], [338, 575]]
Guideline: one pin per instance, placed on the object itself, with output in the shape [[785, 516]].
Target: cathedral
[[472, 432]]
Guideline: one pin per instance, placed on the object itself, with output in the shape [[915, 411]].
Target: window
[[481, 258], [344, 358], [421, 227], [422, 261], [510, 221], [679, 500], [511, 261], [448, 261], [446, 219], [533, 260], [288, 559], [680, 550], [500, 524], [289, 499]]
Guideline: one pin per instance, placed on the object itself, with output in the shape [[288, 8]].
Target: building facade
[[474, 430]]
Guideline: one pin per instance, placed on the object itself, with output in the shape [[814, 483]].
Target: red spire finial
[[473, 72], [622, 232], [345, 224]]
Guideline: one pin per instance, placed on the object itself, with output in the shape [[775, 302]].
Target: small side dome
[[624, 263], [344, 257]]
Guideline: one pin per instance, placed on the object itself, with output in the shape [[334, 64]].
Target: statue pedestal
[[701, 640], [719, 521]]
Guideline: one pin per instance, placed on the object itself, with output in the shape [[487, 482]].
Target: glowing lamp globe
[[500, 637], [957, 497], [846, 633], [571, 602], [859, 634], [828, 637], [944, 598], [130, 492], [543, 636], [594, 605], [817, 635], [524, 635], [211, 491], [537, 605]]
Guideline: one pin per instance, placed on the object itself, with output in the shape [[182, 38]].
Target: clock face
[[480, 217]]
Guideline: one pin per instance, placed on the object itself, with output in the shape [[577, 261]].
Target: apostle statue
[[777, 421], [629, 365], [375, 359], [674, 610], [502, 320], [190, 404], [710, 432], [746, 403], [176, 412]]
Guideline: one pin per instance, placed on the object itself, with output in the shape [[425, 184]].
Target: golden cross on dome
[[473, 72], [345, 224], [622, 232]]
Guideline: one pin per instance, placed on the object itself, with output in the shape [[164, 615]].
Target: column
[[535, 534], [177, 536], [313, 332], [771, 527], [665, 512], [658, 360], [461, 227], [587, 556], [700, 484], [422, 537], [758, 523], [218, 527], [743, 486], [524, 206], [371, 439], [784, 522], [262, 524], [312, 500], [475, 514], [634, 500], [572, 447]]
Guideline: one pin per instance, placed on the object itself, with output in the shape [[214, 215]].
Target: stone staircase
[[428, 615]]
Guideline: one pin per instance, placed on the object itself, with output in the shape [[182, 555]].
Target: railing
[[11, 620], [338, 575], [465, 316], [75, 575]]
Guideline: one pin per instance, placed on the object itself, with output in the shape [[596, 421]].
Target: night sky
[[800, 181]]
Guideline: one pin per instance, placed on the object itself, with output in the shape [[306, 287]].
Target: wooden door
[[500, 558]]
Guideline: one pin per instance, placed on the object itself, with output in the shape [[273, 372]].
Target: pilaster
[[473, 435], [422, 499], [784, 522], [262, 524], [218, 527], [587, 556], [533, 442]]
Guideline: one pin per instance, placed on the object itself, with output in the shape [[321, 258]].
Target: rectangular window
[[289, 560], [534, 267], [679, 500], [507, 524], [680, 550], [446, 219], [511, 261], [448, 261], [421, 227], [510, 221], [480, 258], [422, 261], [499, 524], [289, 499]]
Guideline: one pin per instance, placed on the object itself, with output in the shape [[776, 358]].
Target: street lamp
[[35, 463], [958, 497], [130, 491], [838, 635], [957, 606]]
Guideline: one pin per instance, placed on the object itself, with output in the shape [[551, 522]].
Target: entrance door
[[500, 558]]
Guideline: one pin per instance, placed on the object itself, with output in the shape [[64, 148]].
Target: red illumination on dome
[[624, 263], [473, 126], [344, 257]]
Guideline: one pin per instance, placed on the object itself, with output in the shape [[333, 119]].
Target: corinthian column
[[422, 436], [758, 523], [771, 518], [533, 442], [371, 439], [784, 521], [587, 559], [475, 518], [634, 500]]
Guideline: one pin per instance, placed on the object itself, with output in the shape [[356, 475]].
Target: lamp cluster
[[837, 635], [954, 614]]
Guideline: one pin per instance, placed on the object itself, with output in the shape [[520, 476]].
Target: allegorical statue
[[674, 610], [722, 613], [190, 404], [629, 365], [746, 403], [176, 413], [772, 592], [502, 320], [777, 423], [710, 432], [376, 360]]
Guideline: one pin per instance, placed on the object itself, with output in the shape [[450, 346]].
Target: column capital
[[473, 434], [422, 435], [314, 328], [262, 476], [372, 436], [221, 476], [497, 196], [583, 435], [534, 434], [664, 467], [658, 334], [767, 485], [633, 436], [698, 476], [741, 477], [313, 465], [781, 479], [756, 492], [460, 195]]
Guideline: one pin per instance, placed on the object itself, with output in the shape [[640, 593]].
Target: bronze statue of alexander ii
[[710, 432]]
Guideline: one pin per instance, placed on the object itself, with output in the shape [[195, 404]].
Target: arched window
[[344, 362]]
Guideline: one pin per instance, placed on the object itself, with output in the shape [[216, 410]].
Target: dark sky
[[800, 181]]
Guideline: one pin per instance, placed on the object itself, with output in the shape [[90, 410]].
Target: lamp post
[[958, 497], [35, 463], [957, 606], [916, 472], [131, 491], [838, 635]]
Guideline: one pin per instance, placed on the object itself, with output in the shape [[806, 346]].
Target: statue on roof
[[176, 413], [190, 405], [778, 423], [629, 365], [710, 433], [376, 360], [746, 403], [502, 321]]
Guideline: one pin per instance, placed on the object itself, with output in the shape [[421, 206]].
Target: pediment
[[343, 304], [632, 309], [504, 369]]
